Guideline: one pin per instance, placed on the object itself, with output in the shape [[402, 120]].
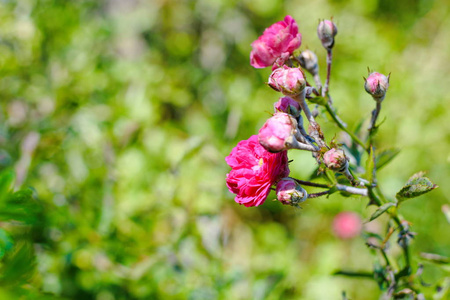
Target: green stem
[[354, 274], [372, 196], [343, 127]]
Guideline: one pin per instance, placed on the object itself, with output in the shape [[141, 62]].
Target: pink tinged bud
[[326, 31], [277, 133], [279, 40], [376, 85], [335, 160], [287, 105], [289, 192], [289, 81], [308, 60], [347, 225]]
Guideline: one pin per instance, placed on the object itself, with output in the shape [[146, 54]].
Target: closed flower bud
[[335, 160], [277, 133], [287, 105], [289, 192], [376, 85], [347, 225], [289, 81], [308, 61], [326, 31]]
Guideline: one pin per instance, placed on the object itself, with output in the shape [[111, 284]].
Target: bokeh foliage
[[119, 114]]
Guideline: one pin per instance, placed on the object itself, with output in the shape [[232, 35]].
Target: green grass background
[[136, 104]]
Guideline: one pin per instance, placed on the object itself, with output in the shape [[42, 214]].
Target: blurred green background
[[119, 115]]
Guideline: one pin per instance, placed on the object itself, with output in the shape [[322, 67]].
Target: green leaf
[[18, 265], [318, 100], [6, 242], [435, 258], [370, 165], [385, 157], [382, 209], [6, 183], [417, 185], [20, 206], [331, 176]]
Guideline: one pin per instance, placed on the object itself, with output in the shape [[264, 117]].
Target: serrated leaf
[[370, 165], [318, 100], [385, 157], [417, 185], [381, 210]]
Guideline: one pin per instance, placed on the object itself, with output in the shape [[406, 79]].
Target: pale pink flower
[[335, 159], [279, 40], [326, 31], [376, 85], [289, 81], [277, 130], [347, 225], [289, 192], [253, 171]]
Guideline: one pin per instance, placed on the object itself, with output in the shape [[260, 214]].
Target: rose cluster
[[261, 162]]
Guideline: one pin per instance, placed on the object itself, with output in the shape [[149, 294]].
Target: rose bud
[[308, 60], [376, 85], [289, 81], [287, 105], [289, 192], [335, 160], [347, 225], [277, 133], [326, 31]]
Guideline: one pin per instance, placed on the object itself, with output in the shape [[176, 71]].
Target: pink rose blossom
[[289, 81], [376, 85], [335, 159], [279, 40], [347, 225], [253, 171], [285, 104], [276, 131]]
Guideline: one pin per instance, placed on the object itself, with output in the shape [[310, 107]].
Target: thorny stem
[[308, 183], [316, 195], [340, 124], [373, 121], [340, 187], [317, 81], [314, 126], [352, 190], [350, 177], [327, 82]]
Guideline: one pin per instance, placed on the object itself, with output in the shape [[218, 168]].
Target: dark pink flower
[[276, 133], [253, 171], [279, 40], [347, 225], [289, 81], [286, 104]]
